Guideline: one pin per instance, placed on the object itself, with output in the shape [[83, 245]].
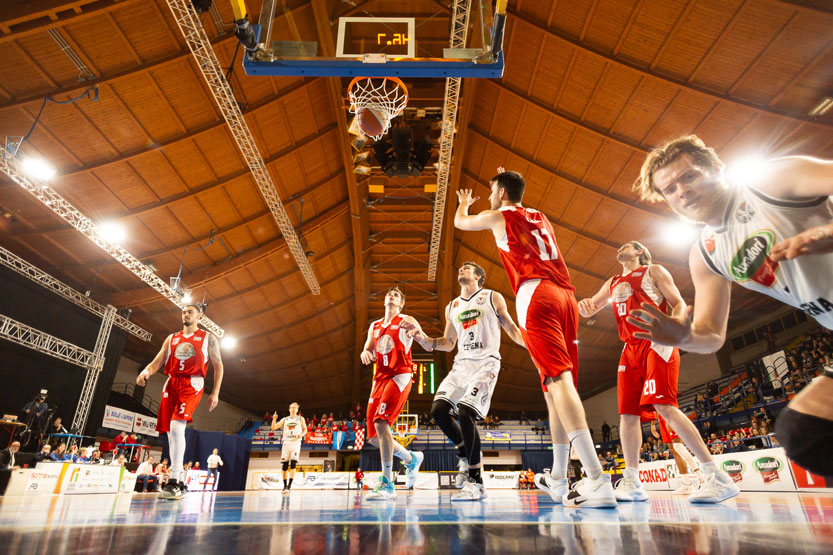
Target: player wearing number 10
[[648, 372]]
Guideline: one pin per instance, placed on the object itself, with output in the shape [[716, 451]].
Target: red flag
[[359, 439]]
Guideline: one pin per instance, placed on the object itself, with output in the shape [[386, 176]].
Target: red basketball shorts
[[387, 397], [668, 435], [647, 376], [180, 398], [548, 318]]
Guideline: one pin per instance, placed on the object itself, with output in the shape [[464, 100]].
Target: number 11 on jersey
[[546, 251]]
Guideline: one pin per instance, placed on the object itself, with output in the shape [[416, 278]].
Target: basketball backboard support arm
[[455, 63]]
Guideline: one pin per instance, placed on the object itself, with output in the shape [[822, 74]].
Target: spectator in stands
[[83, 456], [188, 466], [247, 424], [524, 420], [717, 448], [539, 426], [96, 458], [496, 421], [58, 427], [162, 472], [72, 454], [196, 465], [118, 461], [145, 475], [59, 453], [605, 432], [737, 446], [610, 461], [575, 464], [359, 479], [43, 454]]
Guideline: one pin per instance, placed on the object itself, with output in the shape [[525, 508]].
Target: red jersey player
[[548, 318], [389, 342], [185, 355], [648, 372]]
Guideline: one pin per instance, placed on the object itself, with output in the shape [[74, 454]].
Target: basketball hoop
[[376, 98]]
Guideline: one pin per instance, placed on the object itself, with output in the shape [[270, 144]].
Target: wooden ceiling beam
[[33, 22], [357, 192], [203, 276]]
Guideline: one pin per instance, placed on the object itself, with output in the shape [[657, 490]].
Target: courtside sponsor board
[[143, 424], [500, 479], [324, 480], [118, 419]]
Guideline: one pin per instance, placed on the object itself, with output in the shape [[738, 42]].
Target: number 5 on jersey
[[546, 251]]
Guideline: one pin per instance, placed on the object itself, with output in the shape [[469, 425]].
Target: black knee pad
[[806, 439], [284, 465], [464, 412], [293, 464]]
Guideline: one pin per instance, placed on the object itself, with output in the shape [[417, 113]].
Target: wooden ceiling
[[590, 86]]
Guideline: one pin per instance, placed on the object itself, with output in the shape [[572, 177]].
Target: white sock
[[586, 452], [708, 468], [387, 470], [401, 453], [633, 474], [560, 460], [176, 446]]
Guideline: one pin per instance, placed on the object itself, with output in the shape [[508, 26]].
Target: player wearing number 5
[[184, 356], [648, 372], [388, 340]]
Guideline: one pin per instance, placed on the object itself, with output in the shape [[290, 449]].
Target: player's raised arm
[[217, 361], [593, 305], [155, 364], [276, 424], [701, 328], [505, 319], [368, 351], [488, 219], [665, 284]]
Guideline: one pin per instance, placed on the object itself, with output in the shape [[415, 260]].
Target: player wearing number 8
[[647, 374]]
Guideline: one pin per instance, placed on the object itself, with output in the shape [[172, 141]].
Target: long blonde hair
[[704, 157]]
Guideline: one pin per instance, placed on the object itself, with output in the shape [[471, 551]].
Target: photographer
[[34, 411]]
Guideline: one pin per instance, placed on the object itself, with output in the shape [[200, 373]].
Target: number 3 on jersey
[[546, 251]]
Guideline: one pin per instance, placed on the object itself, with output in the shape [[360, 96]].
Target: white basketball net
[[386, 96]]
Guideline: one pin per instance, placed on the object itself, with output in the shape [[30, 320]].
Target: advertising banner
[[128, 482], [271, 479], [500, 480], [758, 470], [195, 480], [324, 480], [806, 480], [146, 425], [118, 419], [41, 480], [491, 435], [318, 437], [90, 478]]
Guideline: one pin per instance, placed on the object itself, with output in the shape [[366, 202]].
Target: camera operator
[[34, 410]]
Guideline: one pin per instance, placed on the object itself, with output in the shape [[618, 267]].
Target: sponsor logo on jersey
[[709, 244], [184, 351], [175, 340], [734, 469], [622, 292], [744, 213], [768, 467], [468, 318], [384, 345], [481, 299], [813, 309], [751, 261], [621, 368], [456, 304]]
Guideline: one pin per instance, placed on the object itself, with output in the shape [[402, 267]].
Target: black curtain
[[536, 460], [25, 371], [233, 449]]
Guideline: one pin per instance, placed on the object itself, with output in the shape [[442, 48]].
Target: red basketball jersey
[[187, 355], [628, 292], [393, 348], [529, 250]]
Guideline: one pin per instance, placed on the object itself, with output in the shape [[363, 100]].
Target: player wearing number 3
[[389, 341], [648, 372], [185, 355]]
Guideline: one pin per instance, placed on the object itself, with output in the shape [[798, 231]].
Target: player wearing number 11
[[648, 372], [548, 318]]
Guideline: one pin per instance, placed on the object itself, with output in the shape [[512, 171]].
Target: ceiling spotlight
[[744, 171], [228, 342], [39, 168], [680, 234], [112, 232], [186, 298], [822, 107]]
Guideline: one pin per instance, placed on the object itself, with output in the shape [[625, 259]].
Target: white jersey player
[[293, 429], [473, 322]]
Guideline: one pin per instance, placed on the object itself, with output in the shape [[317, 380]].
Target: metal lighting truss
[[459, 31], [27, 270], [58, 204], [93, 370], [192, 29], [20, 333]]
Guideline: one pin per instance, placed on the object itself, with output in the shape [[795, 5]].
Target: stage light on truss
[[38, 168], [228, 342], [112, 232]]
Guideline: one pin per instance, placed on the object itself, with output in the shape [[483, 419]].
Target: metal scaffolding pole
[[42, 342], [59, 205], [27, 270], [93, 370], [459, 32], [191, 27]]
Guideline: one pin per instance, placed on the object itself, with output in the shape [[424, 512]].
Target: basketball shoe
[[170, 491], [557, 489], [472, 491], [596, 493], [413, 468], [629, 488], [687, 485], [715, 488], [383, 491], [462, 473]]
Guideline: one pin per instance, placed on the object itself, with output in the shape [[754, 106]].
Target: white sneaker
[[413, 469], [384, 491], [472, 491], [462, 473], [686, 486], [715, 488], [556, 488], [596, 493], [629, 488]]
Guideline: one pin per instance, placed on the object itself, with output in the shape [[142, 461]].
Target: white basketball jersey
[[477, 326], [291, 428], [739, 250]]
